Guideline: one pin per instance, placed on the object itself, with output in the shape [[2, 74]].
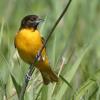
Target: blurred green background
[[73, 50]]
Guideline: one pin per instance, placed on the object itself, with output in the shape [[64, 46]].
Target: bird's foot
[[28, 77]]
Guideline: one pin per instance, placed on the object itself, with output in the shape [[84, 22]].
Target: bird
[[28, 41]]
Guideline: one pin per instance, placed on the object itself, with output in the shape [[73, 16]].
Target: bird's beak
[[39, 20]]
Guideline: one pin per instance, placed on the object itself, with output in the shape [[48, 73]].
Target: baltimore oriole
[[28, 42]]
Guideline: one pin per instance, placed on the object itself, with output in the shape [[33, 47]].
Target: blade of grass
[[1, 31], [89, 88], [71, 73], [38, 93], [65, 81], [16, 85]]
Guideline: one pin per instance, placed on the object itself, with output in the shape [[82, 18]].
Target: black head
[[30, 21]]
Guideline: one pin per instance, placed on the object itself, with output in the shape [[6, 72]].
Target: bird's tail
[[49, 76]]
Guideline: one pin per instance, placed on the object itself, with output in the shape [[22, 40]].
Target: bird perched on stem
[[28, 42]]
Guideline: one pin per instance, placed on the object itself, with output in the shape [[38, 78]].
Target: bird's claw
[[28, 77]]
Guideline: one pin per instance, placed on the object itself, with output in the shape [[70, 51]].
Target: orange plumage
[[28, 42]]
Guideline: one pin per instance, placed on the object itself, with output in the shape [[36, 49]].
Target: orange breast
[[28, 42]]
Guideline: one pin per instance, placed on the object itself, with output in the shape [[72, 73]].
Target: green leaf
[[72, 72], [88, 89], [65, 81], [16, 85], [44, 92]]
